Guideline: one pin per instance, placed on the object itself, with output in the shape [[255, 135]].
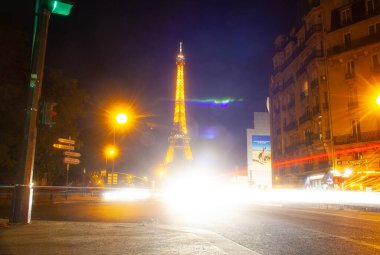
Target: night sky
[[125, 51]]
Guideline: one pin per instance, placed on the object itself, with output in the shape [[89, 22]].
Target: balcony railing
[[292, 125], [314, 28], [316, 110], [288, 82], [354, 44], [324, 164], [369, 136], [314, 83], [353, 105], [348, 76], [291, 104], [305, 117]]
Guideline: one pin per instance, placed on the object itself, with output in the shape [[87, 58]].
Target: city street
[[265, 229]]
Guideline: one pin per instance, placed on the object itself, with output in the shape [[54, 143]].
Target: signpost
[[63, 147], [70, 155], [66, 141], [71, 161]]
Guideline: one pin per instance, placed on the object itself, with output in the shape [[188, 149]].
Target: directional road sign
[[72, 154], [63, 146], [72, 161], [67, 141]]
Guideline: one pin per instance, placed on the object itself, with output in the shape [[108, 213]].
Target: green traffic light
[[62, 7]]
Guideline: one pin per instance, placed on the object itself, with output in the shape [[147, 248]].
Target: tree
[[70, 99], [14, 77]]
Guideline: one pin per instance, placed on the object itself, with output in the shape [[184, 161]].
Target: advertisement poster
[[261, 149]]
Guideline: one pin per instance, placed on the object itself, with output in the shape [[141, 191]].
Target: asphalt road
[[266, 229]]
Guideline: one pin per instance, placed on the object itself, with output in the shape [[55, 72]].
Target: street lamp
[[121, 118], [21, 208], [378, 100]]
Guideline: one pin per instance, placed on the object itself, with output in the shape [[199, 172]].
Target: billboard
[[261, 152], [260, 167]]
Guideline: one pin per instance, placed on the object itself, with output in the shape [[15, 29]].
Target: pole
[[67, 174], [113, 158], [21, 208]]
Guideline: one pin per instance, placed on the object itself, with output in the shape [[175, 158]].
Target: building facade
[[325, 124]]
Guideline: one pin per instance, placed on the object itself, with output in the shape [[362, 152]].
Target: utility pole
[[21, 208]]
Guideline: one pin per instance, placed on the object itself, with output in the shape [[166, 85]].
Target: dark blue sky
[[125, 50]]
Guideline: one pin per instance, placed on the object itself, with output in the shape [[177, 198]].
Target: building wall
[[315, 102], [259, 152]]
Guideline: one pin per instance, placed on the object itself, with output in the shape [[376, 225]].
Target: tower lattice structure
[[179, 140]]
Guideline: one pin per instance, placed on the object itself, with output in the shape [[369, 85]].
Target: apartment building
[[325, 124]]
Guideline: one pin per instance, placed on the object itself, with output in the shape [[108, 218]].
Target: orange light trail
[[324, 155]]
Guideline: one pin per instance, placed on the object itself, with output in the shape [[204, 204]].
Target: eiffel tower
[[179, 141]]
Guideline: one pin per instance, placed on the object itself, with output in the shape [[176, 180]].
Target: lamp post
[[21, 207], [111, 152]]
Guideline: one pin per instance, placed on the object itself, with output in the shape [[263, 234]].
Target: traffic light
[[62, 7], [48, 113]]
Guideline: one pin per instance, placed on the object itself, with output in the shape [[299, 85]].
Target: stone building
[[325, 124]]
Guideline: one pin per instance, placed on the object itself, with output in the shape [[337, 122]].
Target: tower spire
[[179, 139]]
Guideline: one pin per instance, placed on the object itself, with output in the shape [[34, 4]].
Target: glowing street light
[[122, 118], [378, 100]]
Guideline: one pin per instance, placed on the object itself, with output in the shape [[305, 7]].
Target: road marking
[[333, 214], [221, 242], [375, 246]]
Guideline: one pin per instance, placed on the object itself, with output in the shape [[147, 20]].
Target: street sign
[[71, 161], [67, 141], [72, 154], [63, 147]]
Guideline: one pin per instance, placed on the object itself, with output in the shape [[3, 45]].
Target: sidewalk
[[61, 237]]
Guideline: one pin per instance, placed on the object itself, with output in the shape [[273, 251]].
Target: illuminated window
[[345, 16], [305, 88]]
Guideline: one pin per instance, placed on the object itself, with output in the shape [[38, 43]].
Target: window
[[370, 7], [345, 16], [376, 62], [353, 98], [374, 29], [356, 129], [347, 40], [350, 69]]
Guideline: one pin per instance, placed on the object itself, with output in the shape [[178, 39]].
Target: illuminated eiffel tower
[[179, 141]]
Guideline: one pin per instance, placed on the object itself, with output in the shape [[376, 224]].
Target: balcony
[[349, 76], [276, 89], [305, 117], [291, 104], [288, 82], [314, 83], [324, 164], [292, 125], [308, 167], [303, 95], [313, 29], [337, 49], [316, 110], [375, 70], [353, 105]]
